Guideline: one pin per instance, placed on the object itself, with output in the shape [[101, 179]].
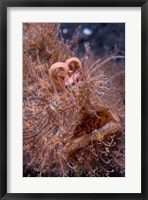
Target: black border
[[4, 4]]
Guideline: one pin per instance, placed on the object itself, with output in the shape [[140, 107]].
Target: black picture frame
[[4, 4]]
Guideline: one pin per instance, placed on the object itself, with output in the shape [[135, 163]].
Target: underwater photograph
[[73, 99]]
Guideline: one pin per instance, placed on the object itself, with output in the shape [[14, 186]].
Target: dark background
[[104, 38]]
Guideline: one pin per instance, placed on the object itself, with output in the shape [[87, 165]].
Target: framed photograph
[[73, 93]]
